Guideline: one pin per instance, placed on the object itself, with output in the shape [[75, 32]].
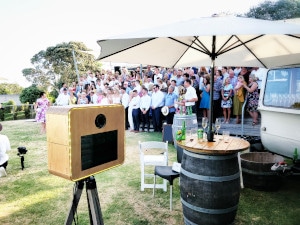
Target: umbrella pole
[[210, 133]]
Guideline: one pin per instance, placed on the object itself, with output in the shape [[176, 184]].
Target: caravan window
[[282, 88]]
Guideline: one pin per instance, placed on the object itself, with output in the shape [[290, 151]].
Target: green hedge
[[16, 112]]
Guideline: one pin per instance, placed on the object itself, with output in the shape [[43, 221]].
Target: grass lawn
[[33, 196]]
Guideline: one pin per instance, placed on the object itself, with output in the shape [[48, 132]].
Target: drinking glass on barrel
[[204, 123], [218, 125]]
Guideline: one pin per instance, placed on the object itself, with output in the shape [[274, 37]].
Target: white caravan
[[279, 105]]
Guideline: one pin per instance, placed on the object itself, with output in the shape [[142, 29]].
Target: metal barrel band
[[258, 173], [187, 221], [210, 178], [208, 211], [211, 157]]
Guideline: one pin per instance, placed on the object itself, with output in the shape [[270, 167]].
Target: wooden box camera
[[84, 139]]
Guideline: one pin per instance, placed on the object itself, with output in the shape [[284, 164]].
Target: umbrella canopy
[[238, 41], [210, 41]]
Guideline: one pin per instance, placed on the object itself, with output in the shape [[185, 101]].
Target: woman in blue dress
[[205, 97]]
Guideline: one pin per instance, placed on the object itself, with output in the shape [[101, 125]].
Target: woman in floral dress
[[253, 97], [40, 107], [226, 102]]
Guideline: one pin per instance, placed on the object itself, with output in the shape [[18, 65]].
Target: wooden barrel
[[190, 122], [209, 188], [257, 173]]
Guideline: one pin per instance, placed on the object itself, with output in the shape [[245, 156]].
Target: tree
[[279, 10], [30, 94], [56, 64], [8, 89]]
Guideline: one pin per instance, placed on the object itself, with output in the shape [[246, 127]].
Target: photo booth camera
[[84, 139]]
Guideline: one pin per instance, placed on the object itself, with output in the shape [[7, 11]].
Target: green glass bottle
[[295, 155], [183, 130], [189, 110]]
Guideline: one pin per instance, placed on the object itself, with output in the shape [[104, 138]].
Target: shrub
[[2, 114], [29, 94], [27, 110]]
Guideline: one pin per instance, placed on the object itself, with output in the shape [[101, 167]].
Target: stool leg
[[170, 197], [241, 173]]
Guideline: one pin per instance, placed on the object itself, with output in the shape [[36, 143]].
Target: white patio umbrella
[[209, 41]]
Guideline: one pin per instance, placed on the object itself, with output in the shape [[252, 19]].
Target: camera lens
[[100, 121]]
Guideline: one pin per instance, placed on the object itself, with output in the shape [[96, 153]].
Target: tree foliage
[[279, 10], [56, 64], [8, 89], [30, 94]]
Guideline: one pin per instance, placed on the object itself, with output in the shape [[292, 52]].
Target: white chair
[[152, 153]]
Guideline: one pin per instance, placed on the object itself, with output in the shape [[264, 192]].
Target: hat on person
[[165, 110]]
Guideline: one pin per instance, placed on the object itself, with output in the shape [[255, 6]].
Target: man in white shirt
[[190, 97], [157, 74], [135, 101], [4, 147], [148, 83], [125, 103], [94, 98], [145, 107], [63, 98], [90, 77], [138, 87], [157, 102]]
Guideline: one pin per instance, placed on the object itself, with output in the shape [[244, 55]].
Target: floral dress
[[42, 106], [253, 98], [226, 91]]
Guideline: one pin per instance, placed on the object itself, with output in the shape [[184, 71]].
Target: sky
[[29, 26]]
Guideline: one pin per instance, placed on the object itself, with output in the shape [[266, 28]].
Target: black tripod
[[21, 152], [92, 199]]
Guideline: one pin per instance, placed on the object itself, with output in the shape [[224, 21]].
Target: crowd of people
[[144, 93]]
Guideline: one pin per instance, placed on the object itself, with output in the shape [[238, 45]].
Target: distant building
[[6, 98]]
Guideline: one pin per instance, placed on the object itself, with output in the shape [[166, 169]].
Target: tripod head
[[21, 151]]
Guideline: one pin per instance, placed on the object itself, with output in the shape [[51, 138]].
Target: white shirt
[[135, 102], [125, 100], [156, 76], [94, 99], [157, 99], [91, 78], [63, 99], [4, 146], [147, 84], [104, 101], [190, 93], [138, 88], [145, 102]]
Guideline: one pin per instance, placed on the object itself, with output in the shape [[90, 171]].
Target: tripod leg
[[75, 201], [22, 162], [93, 202]]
